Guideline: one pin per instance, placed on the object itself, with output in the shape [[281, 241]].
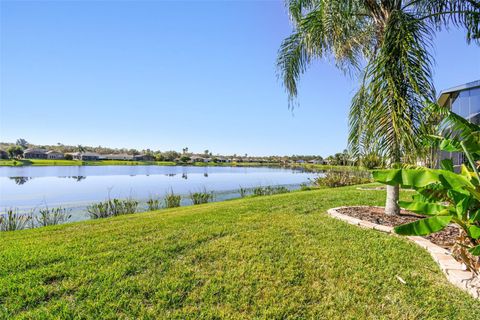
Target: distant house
[[197, 159], [85, 156], [300, 161], [316, 161], [143, 157], [207, 160], [35, 154], [55, 155], [120, 156], [3, 154]]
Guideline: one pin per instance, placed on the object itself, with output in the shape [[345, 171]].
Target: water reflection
[[57, 186], [20, 180]]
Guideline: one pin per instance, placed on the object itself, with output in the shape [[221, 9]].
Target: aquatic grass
[[12, 220], [172, 200], [112, 207], [154, 203], [269, 190], [51, 216], [201, 197], [243, 192]]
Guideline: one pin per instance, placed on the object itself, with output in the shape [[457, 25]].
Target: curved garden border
[[454, 270]]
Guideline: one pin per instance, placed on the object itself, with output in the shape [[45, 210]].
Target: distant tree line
[[344, 158]]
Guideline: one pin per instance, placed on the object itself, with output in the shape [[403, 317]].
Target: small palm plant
[[443, 195]]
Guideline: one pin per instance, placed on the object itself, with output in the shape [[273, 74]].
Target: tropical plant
[[22, 143], [445, 196], [53, 216], [11, 220], [386, 45], [172, 200], [15, 151], [201, 197], [372, 160]]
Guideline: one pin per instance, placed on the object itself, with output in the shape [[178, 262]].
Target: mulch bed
[[445, 238]]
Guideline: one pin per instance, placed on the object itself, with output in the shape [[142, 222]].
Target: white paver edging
[[453, 270]]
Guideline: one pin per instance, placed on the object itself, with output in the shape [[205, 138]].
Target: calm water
[[26, 188]]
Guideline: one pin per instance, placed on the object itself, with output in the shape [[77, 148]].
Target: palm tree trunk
[[393, 192], [391, 205]]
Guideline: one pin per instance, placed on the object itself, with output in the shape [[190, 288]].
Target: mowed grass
[[274, 257]]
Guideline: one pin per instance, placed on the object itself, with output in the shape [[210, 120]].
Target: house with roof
[[197, 159], [52, 154], [464, 100], [143, 157], [119, 156], [85, 156], [3, 154], [35, 153]]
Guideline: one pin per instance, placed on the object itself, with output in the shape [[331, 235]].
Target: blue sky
[[168, 75]]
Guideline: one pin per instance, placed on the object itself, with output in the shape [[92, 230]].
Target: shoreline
[[78, 163]]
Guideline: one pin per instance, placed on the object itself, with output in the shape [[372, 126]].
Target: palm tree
[[386, 45]]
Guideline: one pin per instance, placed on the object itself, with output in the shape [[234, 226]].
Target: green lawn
[[270, 257], [49, 162]]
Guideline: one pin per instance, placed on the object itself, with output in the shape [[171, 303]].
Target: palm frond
[[460, 13]]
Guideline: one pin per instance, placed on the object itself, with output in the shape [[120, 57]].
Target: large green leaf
[[462, 202], [423, 227], [447, 164], [475, 250], [426, 208], [475, 216], [450, 145], [474, 232], [418, 178]]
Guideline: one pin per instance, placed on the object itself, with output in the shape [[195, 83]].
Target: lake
[[73, 187]]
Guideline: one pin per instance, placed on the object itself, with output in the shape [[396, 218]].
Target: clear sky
[[168, 75]]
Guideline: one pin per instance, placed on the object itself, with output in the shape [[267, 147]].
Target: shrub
[[201, 197], [154, 203], [54, 216], [334, 179], [184, 159], [12, 220], [68, 157], [172, 200], [112, 207]]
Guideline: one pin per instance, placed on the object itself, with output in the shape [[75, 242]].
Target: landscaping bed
[[445, 238]]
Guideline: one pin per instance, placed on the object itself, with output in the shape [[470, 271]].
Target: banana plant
[[443, 195]]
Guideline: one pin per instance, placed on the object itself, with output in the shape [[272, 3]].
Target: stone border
[[454, 271]]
